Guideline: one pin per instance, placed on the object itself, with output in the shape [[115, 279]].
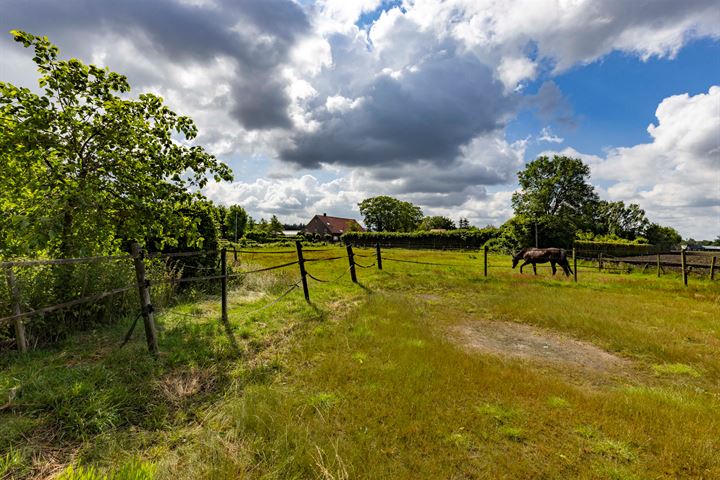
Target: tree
[[625, 222], [388, 214], [556, 198], [436, 222], [235, 221], [663, 237], [463, 223], [275, 227], [82, 168]]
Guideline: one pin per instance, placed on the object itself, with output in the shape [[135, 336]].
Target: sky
[[317, 105]]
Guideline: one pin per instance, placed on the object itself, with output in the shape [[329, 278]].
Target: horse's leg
[[534, 268], [552, 265], [566, 268], [525, 263]]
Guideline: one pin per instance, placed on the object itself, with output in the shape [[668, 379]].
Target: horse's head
[[517, 257]]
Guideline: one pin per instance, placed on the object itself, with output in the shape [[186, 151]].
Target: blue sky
[[614, 99], [319, 104]]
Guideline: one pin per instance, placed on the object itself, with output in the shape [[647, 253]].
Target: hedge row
[[615, 249], [451, 239]]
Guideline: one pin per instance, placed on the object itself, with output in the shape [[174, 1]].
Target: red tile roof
[[336, 225]]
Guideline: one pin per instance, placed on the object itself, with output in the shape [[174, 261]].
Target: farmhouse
[[334, 226]]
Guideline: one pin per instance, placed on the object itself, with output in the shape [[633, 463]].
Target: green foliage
[[448, 239], [205, 237], [82, 166], [275, 227], [556, 192], [624, 222], [619, 248], [388, 214], [436, 222], [129, 471], [664, 238], [235, 221]]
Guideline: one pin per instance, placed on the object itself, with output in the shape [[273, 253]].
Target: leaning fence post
[[485, 260], [683, 265], [379, 256], [574, 265], [658, 265], [303, 273], [223, 285], [712, 268], [20, 338], [351, 260], [145, 305]]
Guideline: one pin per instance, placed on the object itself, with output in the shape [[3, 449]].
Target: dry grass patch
[[516, 340]]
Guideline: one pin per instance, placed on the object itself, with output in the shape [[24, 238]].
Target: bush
[[452, 239], [615, 249]]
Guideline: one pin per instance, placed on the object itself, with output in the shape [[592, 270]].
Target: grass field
[[416, 372]]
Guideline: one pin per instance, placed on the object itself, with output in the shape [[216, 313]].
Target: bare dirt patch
[[516, 340]]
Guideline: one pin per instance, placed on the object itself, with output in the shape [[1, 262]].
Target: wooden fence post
[[145, 305], [223, 285], [574, 265], [600, 262], [712, 268], [485, 260], [379, 256], [683, 265], [658, 265], [235, 255], [351, 260], [20, 338], [303, 273]]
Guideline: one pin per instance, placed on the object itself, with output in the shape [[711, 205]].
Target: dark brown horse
[[543, 255]]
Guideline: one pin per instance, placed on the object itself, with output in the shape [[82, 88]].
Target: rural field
[[417, 371]]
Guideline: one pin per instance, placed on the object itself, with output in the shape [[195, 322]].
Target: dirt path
[[507, 339]]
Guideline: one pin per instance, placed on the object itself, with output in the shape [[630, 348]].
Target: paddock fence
[[592, 263]]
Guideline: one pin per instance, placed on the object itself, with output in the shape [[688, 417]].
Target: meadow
[[417, 371]]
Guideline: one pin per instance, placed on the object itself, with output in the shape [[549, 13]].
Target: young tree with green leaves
[[83, 167], [388, 214], [235, 222], [275, 227]]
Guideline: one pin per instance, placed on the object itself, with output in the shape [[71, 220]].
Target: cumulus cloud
[[486, 160], [413, 103], [676, 176]]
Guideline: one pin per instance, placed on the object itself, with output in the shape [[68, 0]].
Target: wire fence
[[602, 263]]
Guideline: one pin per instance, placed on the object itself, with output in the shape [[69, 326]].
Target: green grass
[[366, 382]]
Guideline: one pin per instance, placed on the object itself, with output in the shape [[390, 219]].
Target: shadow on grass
[[88, 386]]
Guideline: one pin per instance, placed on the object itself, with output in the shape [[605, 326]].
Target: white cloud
[[546, 135], [675, 177]]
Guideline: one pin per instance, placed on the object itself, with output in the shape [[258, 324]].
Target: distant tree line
[[555, 206]]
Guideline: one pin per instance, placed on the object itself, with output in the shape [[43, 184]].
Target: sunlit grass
[[366, 383]]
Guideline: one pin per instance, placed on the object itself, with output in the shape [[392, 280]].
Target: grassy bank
[[378, 381]]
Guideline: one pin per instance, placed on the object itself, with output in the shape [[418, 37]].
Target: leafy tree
[[436, 222], [463, 223], [663, 237], [82, 168], [555, 198], [275, 226], [625, 222], [235, 222], [388, 214]]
